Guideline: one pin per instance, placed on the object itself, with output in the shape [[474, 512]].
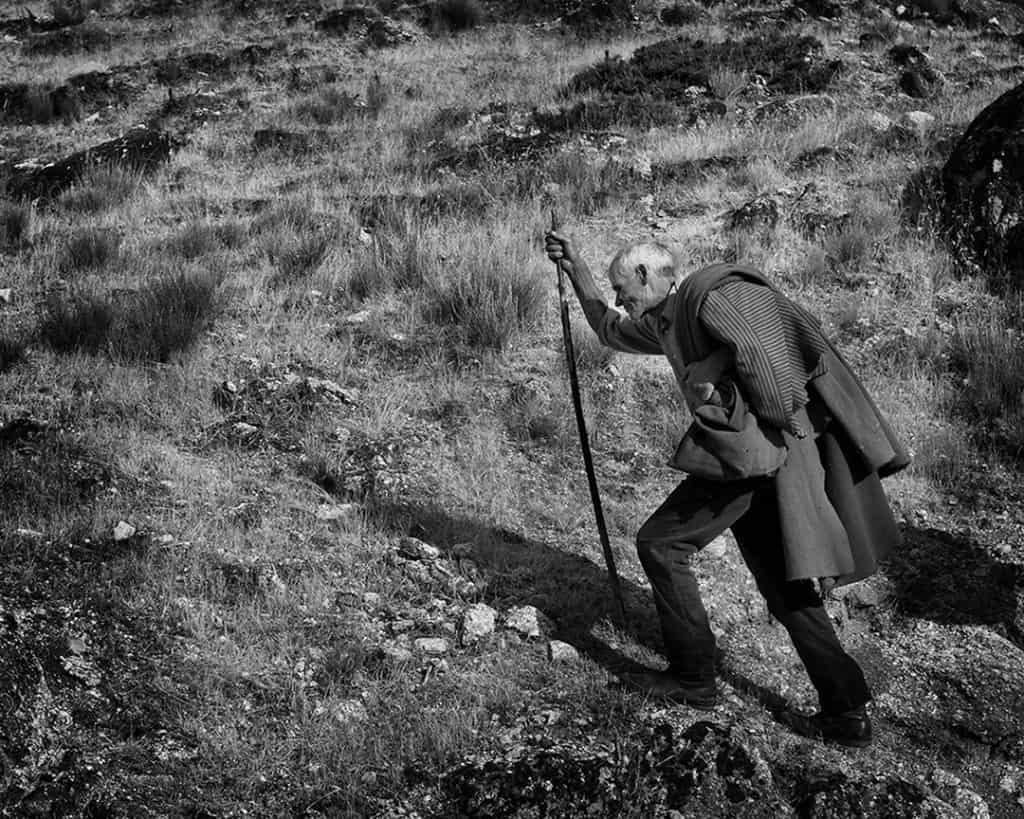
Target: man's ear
[[641, 273]]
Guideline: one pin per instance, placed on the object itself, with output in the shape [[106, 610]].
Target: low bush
[[100, 189], [15, 224], [329, 106], [166, 316], [88, 249]]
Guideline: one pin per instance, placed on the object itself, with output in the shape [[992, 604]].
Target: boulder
[[983, 181], [477, 622], [760, 212], [527, 621]]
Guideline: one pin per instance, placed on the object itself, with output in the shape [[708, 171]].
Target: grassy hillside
[[287, 404]]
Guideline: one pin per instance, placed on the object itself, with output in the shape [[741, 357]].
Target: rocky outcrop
[[141, 149], [983, 181]]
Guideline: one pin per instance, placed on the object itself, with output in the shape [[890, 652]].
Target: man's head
[[642, 275]]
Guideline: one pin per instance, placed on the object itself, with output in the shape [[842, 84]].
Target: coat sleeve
[[621, 333], [745, 317]]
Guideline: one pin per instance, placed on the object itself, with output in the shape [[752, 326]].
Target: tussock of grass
[[986, 349], [397, 258], [101, 189], [488, 292], [328, 106], [165, 317], [592, 186], [295, 241], [89, 249], [12, 351], [200, 238], [15, 224]]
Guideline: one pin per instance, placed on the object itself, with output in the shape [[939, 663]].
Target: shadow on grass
[[570, 589]]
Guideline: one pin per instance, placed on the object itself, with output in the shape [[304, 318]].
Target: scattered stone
[[860, 595], [759, 213], [123, 531], [431, 646], [984, 187], [346, 512], [920, 122], [477, 622], [716, 548], [416, 549], [396, 654], [527, 621], [559, 652], [878, 122]]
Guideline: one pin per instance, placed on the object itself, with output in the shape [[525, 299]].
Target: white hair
[[654, 256]]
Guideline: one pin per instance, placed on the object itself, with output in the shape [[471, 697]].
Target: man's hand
[[560, 249]]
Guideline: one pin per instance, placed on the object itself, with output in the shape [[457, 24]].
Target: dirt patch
[[670, 69]]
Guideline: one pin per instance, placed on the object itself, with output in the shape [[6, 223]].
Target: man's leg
[[834, 673], [691, 517]]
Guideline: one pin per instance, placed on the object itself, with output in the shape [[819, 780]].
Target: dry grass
[[458, 425]]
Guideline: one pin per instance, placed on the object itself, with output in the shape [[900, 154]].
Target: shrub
[[458, 15], [328, 106], [89, 248], [99, 189], [165, 317], [15, 224], [12, 351]]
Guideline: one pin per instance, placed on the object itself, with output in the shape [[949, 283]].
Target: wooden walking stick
[[581, 425]]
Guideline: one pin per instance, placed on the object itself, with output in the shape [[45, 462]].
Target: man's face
[[637, 289]]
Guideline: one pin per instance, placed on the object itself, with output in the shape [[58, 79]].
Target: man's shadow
[[570, 589]]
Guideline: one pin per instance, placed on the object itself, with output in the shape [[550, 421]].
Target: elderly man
[[786, 449]]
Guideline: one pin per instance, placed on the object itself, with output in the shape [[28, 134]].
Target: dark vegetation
[[165, 316], [88, 249]]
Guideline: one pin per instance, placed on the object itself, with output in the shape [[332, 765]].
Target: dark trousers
[[694, 514]]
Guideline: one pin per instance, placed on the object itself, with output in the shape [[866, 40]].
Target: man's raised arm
[[612, 328]]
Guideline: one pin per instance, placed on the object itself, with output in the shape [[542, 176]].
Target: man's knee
[[654, 549]]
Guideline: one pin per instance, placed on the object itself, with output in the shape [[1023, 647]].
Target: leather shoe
[[850, 728], [667, 686]]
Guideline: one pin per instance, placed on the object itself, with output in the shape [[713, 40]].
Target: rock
[[953, 791], [371, 600], [396, 654], [920, 122], [142, 149], [878, 122], [349, 711], [860, 595], [346, 512], [416, 549], [758, 213], [477, 622], [559, 652], [983, 181], [123, 531], [5, 295], [431, 646], [716, 548], [527, 621]]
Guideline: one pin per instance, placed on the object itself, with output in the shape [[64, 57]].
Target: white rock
[[32, 533], [416, 549], [396, 654], [559, 652], [477, 622], [432, 646], [918, 121], [343, 512], [349, 711], [371, 600], [361, 317], [526, 621], [245, 430], [5, 295], [123, 531], [878, 122], [717, 547]]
